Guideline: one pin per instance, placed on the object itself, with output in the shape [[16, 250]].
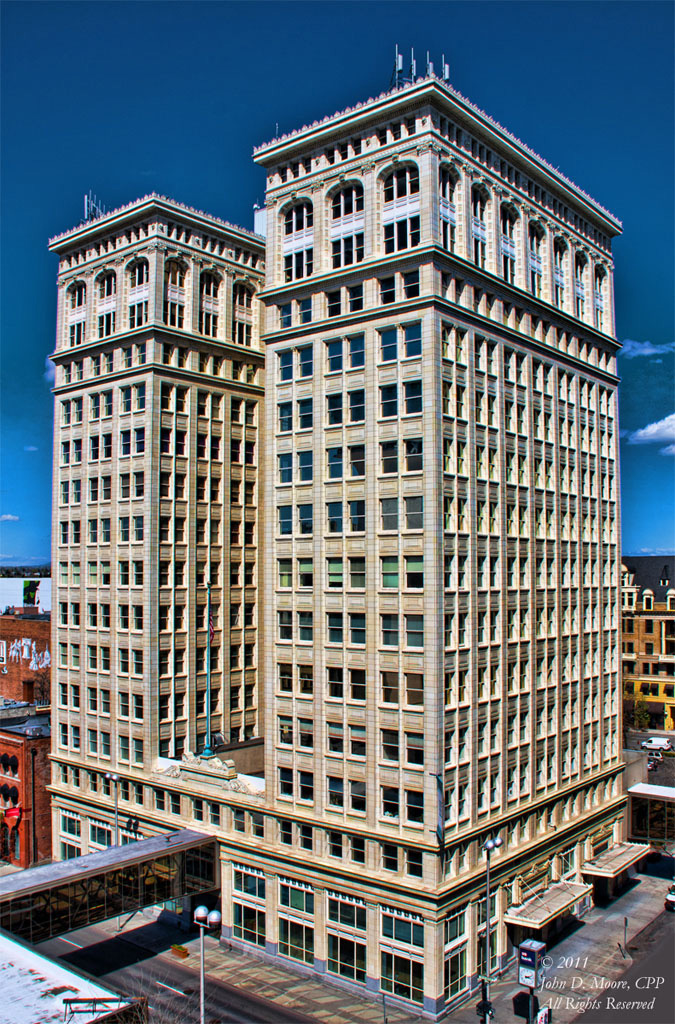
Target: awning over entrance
[[612, 862], [551, 903]]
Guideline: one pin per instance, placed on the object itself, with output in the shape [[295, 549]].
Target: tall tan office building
[[156, 493], [438, 644]]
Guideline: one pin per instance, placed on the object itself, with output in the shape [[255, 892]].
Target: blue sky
[[127, 98]]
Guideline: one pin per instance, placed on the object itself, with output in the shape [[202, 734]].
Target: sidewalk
[[591, 950], [592, 954]]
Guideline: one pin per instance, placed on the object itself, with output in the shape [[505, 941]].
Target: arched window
[[107, 285], [139, 276], [401, 213], [599, 277], [174, 293], [346, 229], [579, 287], [209, 303], [508, 220], [479, 205], [535, 236], [77, 312], [298, 244], [447, 186], [559, 256], [77, 294], [107, 288], [648, 601]]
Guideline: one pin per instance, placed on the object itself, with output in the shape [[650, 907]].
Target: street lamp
[[484, 1007], [111, 777], [204, 920]]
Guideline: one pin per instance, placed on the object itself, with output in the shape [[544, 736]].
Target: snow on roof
[[33, 986]]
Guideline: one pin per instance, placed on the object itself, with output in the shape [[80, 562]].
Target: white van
[[656, 743]]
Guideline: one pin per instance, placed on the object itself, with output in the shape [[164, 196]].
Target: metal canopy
[[612, 862], [553, 902]]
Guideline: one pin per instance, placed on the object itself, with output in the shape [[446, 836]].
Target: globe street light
[[485, 1007], [204, 919], [111, 777]]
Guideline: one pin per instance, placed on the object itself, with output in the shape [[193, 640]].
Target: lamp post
[[111, 777], [204, 920], [484, 1007]]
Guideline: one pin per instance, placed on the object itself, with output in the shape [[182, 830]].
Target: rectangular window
[[335, 573], [334, 463], [305, 414], [296, 940], [305, 519], [413, 396], [355, 298], [335, 627], [306, 360], [390, 577], [334, 355], [334, 409], [357, 352], [389, 630], [285, 416], [389, 513], [414, 459], [389, 400], [387, 290], [388, 344], [334, 516], [357, 406], [305, 466]]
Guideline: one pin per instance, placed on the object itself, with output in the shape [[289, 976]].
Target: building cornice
[[153, 203], [426, 88]]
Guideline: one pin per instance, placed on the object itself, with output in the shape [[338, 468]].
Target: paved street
[[645, 992], [171, 987]]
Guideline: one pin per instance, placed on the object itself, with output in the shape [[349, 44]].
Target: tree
[[42, 686]]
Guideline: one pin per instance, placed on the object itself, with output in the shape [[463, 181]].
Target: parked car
[[656, 743], [652, 766], [670, 899]]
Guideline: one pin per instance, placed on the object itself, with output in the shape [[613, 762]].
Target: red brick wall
[[25, 646], [17, 777]]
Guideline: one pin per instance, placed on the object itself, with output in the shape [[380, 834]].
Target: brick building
[[648, 634], [25, 656], [25, 768]]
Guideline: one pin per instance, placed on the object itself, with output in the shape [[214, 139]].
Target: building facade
[[648, 634], [439, 611], [25, 656], [156, 490], [25, 774]]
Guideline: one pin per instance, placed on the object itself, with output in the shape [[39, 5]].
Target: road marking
[[170, 988], [71, 943]]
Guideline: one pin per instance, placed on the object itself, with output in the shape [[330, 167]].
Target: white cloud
[[7, 518], [637, 349], [29, 448], [657, 433], [50, 371]]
